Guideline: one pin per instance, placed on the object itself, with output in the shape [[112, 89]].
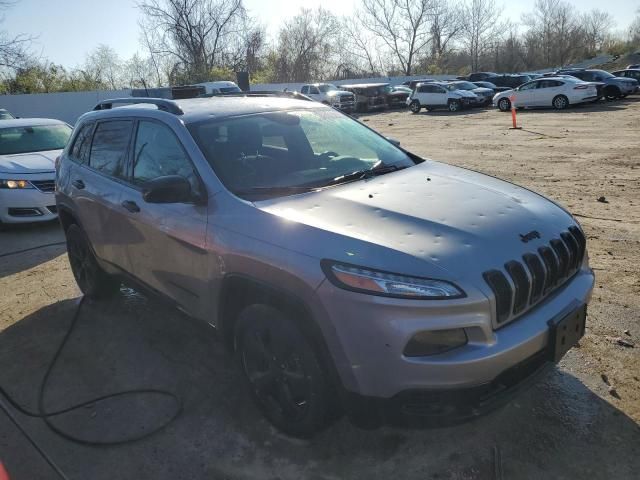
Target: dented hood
[[450, 217]]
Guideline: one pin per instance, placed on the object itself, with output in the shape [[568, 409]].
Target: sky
[[67, 30]]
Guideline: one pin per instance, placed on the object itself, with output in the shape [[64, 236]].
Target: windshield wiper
[[378, 169], [274, 191]]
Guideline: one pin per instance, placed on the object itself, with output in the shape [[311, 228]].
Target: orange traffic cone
[[513, 113], [3, 473]]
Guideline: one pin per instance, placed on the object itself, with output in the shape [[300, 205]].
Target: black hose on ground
[[47, 415]]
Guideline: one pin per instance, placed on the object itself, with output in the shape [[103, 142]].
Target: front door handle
[[79, 184], [131, 206]]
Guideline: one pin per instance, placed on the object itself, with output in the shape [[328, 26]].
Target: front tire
[[504, 104], [283, 371], [560, 102], [93, 281], [414, 106], [454, 106], [612, 93]]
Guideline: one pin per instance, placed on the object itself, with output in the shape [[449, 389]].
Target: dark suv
[[342, 270], [510, 81]]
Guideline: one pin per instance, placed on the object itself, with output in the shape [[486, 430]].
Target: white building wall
[[66, 106]]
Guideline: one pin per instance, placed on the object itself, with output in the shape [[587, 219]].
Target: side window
[[305, 89], [423, 89], [531, 86], [159, 153], [80, 150], [438, 90], [314, 90], [109, 146]]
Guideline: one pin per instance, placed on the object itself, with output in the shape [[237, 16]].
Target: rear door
[[96, 182], [166, 241], [547, 90]]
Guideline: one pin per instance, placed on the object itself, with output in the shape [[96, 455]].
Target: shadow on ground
[[557, 429], [18, 237]]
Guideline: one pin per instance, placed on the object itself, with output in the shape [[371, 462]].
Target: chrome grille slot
[[538, 275], [502, 291], [521, 283], [563, 257]]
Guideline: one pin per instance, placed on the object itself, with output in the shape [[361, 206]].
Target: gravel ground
[[571, 424]]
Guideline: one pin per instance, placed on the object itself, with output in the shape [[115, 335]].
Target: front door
[[526, 95], [166, 250]]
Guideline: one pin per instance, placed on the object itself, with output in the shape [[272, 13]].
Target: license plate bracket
[[566, 331]]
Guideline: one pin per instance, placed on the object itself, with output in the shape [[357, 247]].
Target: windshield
[[604, 74], [4, 115], [451, 87], [267, 153], [36, 138], [230, 89], [327, 87], [464, 85]]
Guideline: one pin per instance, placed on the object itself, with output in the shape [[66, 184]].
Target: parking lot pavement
[[568, 425], [557, 427]]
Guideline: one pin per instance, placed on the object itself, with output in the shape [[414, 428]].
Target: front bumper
[[28, 205], [372, 332]]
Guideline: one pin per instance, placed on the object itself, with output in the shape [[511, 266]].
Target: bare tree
[[596, 26], [306, 46], [14, 50], [195, 33], [103, 68], [362, 48], [446, 27], [480, 19], [404, 26]]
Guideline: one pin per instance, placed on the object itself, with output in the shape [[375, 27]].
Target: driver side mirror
[[168, 189], [394, 141]]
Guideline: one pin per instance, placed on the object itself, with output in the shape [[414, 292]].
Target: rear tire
[[93, 281], [504, 104], [415, 106], [283, 371], [560, 102]]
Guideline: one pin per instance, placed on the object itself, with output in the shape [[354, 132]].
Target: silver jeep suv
[[346, 273]]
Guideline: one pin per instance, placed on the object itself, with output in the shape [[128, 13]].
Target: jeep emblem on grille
[[529, 236]]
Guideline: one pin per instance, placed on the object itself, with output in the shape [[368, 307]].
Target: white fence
[[66, 106]]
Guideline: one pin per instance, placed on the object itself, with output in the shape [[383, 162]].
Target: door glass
[[109, 147], [305, 89], [158, 153], [80, 150]]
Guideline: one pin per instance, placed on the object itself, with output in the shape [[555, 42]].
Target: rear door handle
[[79, 184], [131, 206]]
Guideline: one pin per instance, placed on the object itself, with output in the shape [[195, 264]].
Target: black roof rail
[[162, 103], [260, 93]]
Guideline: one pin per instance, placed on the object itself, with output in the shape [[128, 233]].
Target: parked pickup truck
[[331, 95]]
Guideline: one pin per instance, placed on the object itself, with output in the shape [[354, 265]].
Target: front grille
[[528, 282], [347, 99], [53, 209], [46, 186]]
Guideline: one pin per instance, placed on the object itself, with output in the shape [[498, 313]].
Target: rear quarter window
[[81, 144]]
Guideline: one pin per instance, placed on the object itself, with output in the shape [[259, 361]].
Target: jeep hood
[[35, 162], [456, 219]]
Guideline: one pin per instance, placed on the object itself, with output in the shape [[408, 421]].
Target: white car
[[434, 95], [28, 150], [558, 92], [331, 95], [212, 88]]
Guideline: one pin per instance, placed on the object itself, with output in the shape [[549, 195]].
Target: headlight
[[375, 282], [15, 184]]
